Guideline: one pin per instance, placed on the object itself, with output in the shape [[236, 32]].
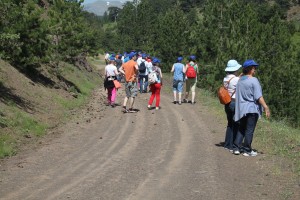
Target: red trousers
[[155, 89]]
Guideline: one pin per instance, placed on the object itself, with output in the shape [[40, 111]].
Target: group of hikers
[[141, 71]]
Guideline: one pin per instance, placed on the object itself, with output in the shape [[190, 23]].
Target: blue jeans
[[246, 131], [143, 84], [232, 126]]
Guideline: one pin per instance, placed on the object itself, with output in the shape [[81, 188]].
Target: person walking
[[248, 108], [230, 81], [130, 70], [191, 70], [155, 87], [111, 73], [143, 74], [178, 70]]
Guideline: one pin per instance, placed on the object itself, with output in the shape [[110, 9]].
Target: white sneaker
[[236, 152], [252, 153]]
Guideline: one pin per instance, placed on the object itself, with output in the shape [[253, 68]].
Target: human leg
[[187, 90], [250, 125], [113, 95], [193, 89], [180, 89], [152, 88], [174, 96], [146, 84], [157, 94], [237, 145], [131, 102], [109, 95], [231, 129]]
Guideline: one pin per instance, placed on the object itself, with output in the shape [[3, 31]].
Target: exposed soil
[[168, 154]]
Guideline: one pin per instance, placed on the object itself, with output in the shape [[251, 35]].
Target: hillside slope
[[31, 106]]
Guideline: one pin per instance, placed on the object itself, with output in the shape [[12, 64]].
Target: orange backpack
[[223, 94]]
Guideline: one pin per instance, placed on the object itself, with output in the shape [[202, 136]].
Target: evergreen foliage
[[217, 31], [33, 32]]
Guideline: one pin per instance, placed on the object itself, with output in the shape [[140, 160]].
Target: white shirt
[[110, 70], [232, 84], [139, 60], [148, 67], [107, 56]]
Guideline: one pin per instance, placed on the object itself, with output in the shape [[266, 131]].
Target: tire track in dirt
[[182, 131]]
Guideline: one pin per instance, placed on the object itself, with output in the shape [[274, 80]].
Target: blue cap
[[193, 57], [155, 60], [249, 63], [131, 54], [112, 58], [179, 59], [144, 55]]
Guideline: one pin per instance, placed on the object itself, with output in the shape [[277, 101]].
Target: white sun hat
[[232, 66]]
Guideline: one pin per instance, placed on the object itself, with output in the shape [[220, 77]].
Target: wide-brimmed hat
[[232, 66], [249, 63]]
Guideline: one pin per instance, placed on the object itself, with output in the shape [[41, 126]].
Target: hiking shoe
[[228, 149], [185, 101], [125, 110], [149, 107], [252, 153], [131, 110], [157, 108], [236, 152], [113, 105], [179, 103]]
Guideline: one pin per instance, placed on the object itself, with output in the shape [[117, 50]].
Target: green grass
[[7, 146], [15, 127]]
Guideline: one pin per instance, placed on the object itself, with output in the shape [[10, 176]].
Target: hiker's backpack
[[223, 94], [191, 72], [142, 67], [152, 77]]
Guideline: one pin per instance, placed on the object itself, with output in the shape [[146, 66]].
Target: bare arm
[[172, 70], [160, 74], [262, 102], [121, 69]]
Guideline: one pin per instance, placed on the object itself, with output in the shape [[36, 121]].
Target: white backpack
[[152, 77]]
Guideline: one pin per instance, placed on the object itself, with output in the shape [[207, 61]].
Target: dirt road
[[169, 154]]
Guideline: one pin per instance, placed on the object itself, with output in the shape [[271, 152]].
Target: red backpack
[[191, 72]]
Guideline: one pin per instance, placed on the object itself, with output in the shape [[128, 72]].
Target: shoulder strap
[[228, 86], [228, 83]]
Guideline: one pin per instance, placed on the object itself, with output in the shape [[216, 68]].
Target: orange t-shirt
[[130, 71]]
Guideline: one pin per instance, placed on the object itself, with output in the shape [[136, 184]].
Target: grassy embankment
[[24, 120]]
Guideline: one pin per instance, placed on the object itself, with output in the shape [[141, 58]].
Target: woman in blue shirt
[[248, 107]]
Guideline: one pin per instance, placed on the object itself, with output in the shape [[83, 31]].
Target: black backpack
[[142, 67]]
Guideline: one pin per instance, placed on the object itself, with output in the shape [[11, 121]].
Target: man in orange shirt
[[130, 70]]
